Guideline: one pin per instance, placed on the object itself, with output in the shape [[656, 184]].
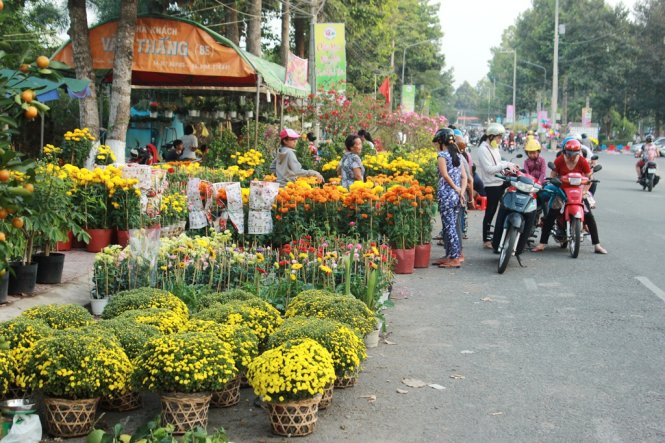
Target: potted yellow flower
[[88, 366], [291, 378], [76, 147], [184, 368]]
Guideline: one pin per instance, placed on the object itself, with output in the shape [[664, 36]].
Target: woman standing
[[488, 164], [351, 167], [189, 144], [451, 194]]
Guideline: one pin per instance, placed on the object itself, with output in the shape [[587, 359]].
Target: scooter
[[649, 179], [566, 195], [517, 213]]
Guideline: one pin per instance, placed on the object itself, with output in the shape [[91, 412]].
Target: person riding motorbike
[[535, 165], [648, 152], [571, 161]]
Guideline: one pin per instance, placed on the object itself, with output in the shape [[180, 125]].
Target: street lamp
[[404, 54], [555, 68], [544, 78], [514, 52]]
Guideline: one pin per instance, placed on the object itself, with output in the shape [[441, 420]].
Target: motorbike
[[649, 179], [566, 195], [516, 214]]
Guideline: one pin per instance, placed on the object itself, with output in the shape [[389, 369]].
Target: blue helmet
[[458, 132]]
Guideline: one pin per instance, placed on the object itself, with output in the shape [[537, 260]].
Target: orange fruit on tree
[[3, 237], [28, 95], [2, 5], [3, 213], [18, 223], [24, 68], [31, 113], [4, 175], [29, 187], [42, 62]]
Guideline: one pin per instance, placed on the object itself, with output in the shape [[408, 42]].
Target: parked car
[[636, 147], [660, 142]]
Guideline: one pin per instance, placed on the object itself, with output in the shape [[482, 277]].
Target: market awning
[[47, 90], [171, 52]]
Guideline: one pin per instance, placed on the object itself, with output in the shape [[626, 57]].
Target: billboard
[[330, 56], [408, 98]]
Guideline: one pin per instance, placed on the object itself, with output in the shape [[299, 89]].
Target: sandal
[[488, 245], [600, 250], [451, 263], [538, 248]]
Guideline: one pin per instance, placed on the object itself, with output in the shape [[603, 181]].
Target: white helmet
[[495, 129]]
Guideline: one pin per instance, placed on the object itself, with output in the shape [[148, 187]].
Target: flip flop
[[537, 249]]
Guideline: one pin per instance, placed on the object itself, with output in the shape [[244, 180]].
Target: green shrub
[[60, 316], [144, 298], [224, 297], [131, 335]]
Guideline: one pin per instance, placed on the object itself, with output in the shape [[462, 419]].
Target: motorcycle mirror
[[594, 157], [550, 165], [597, 168], [519, 156], [555, 181]]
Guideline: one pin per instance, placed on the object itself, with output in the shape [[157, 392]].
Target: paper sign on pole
[[586, 116], [296, 72], [510, 117]]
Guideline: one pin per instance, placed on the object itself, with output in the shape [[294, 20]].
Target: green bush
[[60, 316], [208, 300], [131, 335], [166, 320]]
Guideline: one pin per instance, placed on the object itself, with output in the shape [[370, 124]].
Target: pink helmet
[[288, 133]]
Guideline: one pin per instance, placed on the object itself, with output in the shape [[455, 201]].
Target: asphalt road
[[563, 350]]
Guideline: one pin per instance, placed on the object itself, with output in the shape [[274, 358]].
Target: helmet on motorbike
[[572, 147], [458, 132], [529, 132], [495, 129], [583, 136], [532, 145], [444, 136], [566, 140], [649, 138]]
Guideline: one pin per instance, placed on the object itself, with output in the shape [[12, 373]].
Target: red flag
[[385, 89]]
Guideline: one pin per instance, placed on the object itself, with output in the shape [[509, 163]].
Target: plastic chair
[[481, 203]]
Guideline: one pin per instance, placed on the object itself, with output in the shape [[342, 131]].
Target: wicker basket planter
[[227, 397], [185, 411], [327, 398], [127, 402], [70, 418], [294, 418], [172, 230], [348, 380]]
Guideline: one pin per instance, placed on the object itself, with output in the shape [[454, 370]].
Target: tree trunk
[[80, 35], [122, 79], [286, 20], [254, 27], [232, 28], [299, 27]]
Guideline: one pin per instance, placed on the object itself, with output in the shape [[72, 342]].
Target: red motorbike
[[566, 195]]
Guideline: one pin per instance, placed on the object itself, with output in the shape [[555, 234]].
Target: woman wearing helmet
[[648, 152], [535, 165], [571, 161], [451, 191], [488, 164]]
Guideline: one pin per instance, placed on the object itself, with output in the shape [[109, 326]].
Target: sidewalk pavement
[[75, 287]]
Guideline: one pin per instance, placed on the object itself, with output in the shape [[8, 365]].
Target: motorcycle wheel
[[507, 249], [650, 184], [575, 237]]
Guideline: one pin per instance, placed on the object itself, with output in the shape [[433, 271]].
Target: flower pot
[[194, 112], [122, 237], [294, 418], [233, 114], [405, 260], [65, 245], [372, 339], [122, 403], [220, 114], [49, 269], [4, 287], [185, 411], [249, 114], [348, 380], [153, 114], [70, 418], [23, 280], [327, 398], [97, 305], [422, 257], [168, 114], [229, 396], [99, 239]]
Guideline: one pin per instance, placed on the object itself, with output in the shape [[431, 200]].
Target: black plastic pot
[[4, 286], [50, 267], [23, 279]]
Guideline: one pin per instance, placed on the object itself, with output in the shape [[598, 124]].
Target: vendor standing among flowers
[[286, 165], [451, 194], [351, 167]]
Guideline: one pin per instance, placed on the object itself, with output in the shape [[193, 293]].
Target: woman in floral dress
[[451, 191]]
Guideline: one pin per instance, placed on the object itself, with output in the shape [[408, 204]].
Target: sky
[[472, 27]]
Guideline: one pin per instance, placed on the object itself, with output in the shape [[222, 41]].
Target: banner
[[296, 72], [165, 46], [510, 114], [408, 98], [386, 90], [586, 117], [330, 57]]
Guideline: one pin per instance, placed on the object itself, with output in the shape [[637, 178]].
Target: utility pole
[[312, 61], [555, 68]]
